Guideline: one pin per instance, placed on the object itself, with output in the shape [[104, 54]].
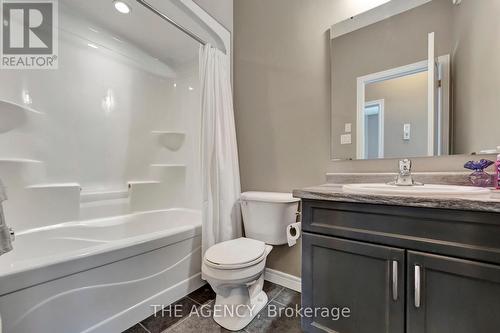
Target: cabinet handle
[[394, 280], [418, 286]]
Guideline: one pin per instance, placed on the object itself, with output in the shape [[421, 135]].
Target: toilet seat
[[236, 254]]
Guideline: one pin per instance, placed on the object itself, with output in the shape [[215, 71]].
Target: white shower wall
[[95, 129]]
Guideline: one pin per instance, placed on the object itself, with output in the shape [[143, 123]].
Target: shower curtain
[[219, 152]]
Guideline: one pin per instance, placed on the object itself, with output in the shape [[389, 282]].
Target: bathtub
[[99, 275]]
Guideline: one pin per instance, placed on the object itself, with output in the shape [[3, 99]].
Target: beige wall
[[282, 101], [405, 102], [282, 96], [476, 59]]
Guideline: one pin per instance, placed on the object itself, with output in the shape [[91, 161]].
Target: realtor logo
[[29, 34]]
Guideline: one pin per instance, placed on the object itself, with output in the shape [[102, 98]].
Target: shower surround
[[101, 164]]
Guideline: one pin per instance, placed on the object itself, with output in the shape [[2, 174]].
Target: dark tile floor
[[202, 300]]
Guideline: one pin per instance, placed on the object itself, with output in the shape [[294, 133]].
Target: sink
[[416, 190]]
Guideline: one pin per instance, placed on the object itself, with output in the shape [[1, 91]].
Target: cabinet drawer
[[464, 234]]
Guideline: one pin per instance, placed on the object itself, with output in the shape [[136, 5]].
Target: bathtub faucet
[[6, 233]]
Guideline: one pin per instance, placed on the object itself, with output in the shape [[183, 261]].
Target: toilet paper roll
[[293, 232]]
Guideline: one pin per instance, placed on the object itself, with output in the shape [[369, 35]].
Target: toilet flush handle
[[298, 214]]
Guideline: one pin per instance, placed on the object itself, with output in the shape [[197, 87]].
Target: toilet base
[[245, 314], [239, 292]]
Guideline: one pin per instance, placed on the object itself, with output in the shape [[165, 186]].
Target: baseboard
[[283, 279]]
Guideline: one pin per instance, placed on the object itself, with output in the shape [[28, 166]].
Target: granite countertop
[[334, 192]]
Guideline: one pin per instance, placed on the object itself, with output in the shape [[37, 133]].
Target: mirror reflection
[[416, 78]]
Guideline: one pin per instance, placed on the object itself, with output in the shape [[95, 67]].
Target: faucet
[[404, 177], [6, 233]]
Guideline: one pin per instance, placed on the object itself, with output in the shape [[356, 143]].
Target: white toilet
[[235, 269]]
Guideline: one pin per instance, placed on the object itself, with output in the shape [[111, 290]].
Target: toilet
[[235, 269]]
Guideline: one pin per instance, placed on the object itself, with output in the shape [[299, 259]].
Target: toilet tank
[[267, 214]]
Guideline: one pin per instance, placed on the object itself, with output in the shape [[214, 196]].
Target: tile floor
[[203, 299]]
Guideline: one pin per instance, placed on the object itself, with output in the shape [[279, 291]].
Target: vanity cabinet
[[357, 276], [400, 269], [451, 295]]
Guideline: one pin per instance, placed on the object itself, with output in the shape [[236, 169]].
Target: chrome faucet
[[6, 233], [404, 177]]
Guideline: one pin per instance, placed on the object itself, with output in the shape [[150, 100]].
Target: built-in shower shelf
[[14, 115], [172, 140], [19, 161], [87, 196], [142, 182], [162, 171], [54, 185], [168, 132], [168, 165], [14, 107]]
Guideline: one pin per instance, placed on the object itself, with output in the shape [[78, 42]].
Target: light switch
[[406, 132], [345, 139], [348, 128]]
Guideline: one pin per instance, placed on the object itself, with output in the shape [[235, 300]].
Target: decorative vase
[[479, 177]]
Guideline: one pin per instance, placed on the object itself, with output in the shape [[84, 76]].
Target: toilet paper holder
[[293, 232]]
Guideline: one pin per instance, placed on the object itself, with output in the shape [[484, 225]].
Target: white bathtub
[[99, 275]]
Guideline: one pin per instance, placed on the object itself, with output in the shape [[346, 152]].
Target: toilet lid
[[274, 197], [235, 252]]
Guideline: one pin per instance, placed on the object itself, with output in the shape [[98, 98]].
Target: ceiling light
[[92, 45], [121, 6]]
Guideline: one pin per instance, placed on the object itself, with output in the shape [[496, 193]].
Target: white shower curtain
[[219, 152]]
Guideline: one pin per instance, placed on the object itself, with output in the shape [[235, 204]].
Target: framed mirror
[[414, 78]]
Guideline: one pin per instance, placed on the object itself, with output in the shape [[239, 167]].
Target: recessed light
[[93, 46], [121, 6]]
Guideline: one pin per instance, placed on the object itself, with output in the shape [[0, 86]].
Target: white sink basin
[[422, 190]]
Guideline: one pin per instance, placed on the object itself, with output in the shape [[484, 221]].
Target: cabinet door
[[448, 295], [368, 279]]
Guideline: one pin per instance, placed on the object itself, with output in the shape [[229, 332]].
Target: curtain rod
[[172, 22]]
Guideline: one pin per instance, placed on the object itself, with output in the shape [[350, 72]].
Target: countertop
[[334, 192]]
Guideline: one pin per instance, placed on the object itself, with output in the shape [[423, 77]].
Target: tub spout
[[6, 234]]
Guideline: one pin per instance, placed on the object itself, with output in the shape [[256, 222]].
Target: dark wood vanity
[[400, 268]]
